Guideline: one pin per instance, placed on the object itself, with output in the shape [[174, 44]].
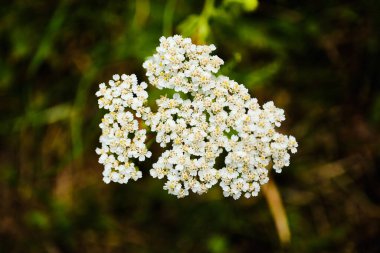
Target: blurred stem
[[77, 116], [208, 9], [277, 210], [202, 30], [168, 17], [49, 36], [142, 13]]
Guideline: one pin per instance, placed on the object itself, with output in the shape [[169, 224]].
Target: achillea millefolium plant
[[207, 115]]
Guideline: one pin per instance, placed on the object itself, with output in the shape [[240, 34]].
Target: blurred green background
[[318, 60]]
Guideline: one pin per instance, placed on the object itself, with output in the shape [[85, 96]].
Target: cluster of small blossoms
[[182, 66], [121, 137], [210, 117]]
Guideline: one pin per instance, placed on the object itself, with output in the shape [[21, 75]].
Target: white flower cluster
[[210, 117], [121, 137]]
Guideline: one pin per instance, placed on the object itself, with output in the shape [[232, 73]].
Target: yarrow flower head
[[209, 117]]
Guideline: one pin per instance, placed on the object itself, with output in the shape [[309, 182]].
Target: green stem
[[208, 9], [168, 17]]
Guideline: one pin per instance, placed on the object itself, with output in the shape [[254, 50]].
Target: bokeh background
[[319, 60]]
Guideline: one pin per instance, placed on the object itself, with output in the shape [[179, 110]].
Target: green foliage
[[317, 60], [217, 244], [248, 5]]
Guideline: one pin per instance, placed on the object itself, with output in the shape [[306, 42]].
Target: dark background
[[318, 60]]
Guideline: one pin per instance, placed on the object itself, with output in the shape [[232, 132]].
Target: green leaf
[[247, 5]]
